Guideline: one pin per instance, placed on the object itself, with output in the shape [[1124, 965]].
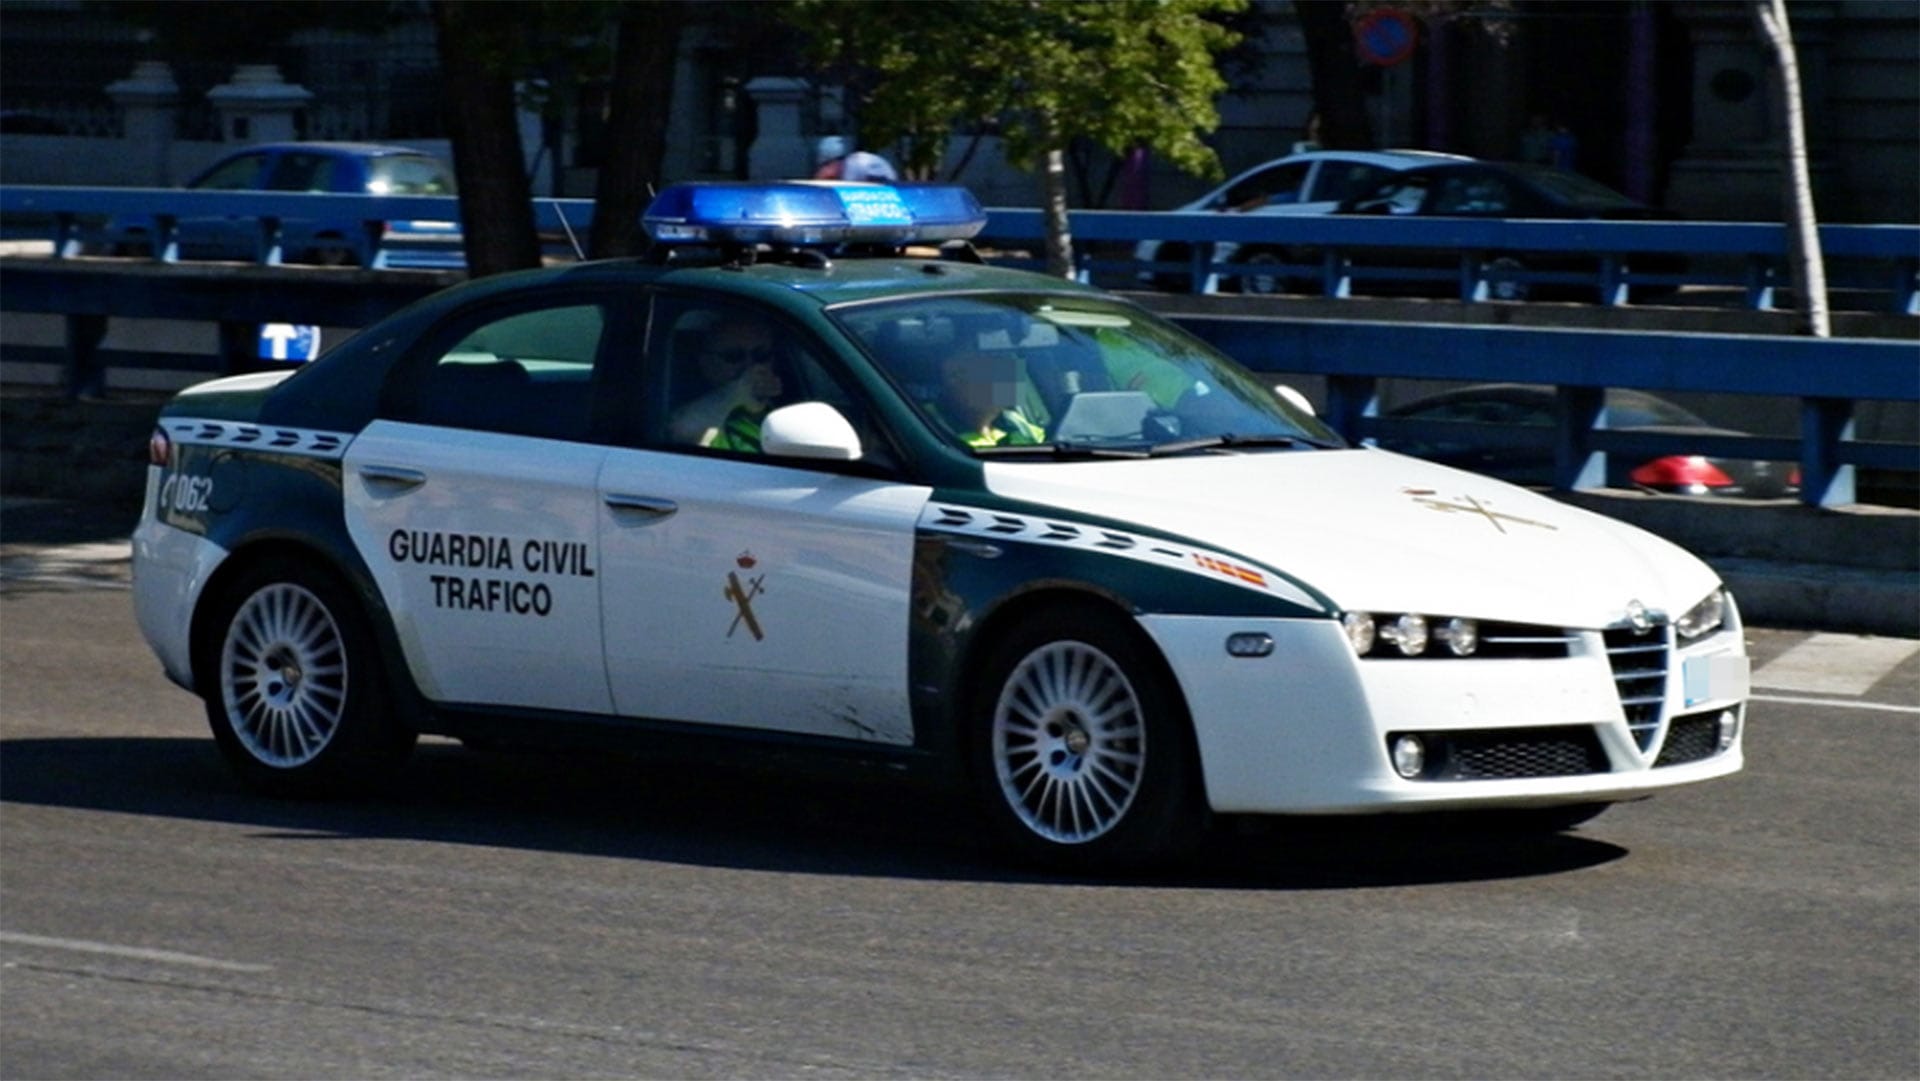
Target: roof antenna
[[561, 213]]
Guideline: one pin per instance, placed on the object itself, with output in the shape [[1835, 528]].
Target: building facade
[[1670, 100]]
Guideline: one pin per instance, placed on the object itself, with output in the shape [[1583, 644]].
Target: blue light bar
[[803, 212]]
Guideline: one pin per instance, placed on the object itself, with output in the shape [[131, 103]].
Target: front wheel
[[1080, 746], [293, 689]]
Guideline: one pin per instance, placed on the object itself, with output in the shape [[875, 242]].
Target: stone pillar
[[1733, 168], [781, 149], [257, 106], [149, 102]]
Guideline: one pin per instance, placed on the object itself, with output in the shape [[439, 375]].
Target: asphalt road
[[564, 917]]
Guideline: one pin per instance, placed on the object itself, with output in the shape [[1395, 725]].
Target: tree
[[1806, 265], [639, 108], [1038, 73], [479, 57]]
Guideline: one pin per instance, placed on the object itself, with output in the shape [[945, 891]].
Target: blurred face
[[981, 383], [732, 350]]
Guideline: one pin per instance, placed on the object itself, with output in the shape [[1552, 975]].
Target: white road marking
[[137, 953], [1835, 664], [1834, 703]]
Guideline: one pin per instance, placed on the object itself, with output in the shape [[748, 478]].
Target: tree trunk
[[1807, 266], [1335, 71], [496, 202], [1053, 183], [640, 106]]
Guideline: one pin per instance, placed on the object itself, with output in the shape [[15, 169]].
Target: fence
[[1827, 376]]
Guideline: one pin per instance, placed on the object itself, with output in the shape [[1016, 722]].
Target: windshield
[[1574, 189], [1023, 373]]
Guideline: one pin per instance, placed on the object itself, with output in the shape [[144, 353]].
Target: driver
[[979, 393], [738, 365]]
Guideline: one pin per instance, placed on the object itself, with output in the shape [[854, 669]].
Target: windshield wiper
[[1230, 440], [1062, 451]]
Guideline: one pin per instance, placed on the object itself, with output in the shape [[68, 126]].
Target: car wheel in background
[[1080, 747], [1261, 276], [292, 684], [1501, 283]]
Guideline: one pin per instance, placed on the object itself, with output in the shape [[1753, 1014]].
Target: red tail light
[[159, 447], [1681, 471]]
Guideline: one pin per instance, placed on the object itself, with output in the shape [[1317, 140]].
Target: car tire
[[293, 685], [1080, 746], [1503, 287], [331, 250], [1257, 278]]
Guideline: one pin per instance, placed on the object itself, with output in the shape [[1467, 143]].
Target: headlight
[[1360, 631], [1703, 618]]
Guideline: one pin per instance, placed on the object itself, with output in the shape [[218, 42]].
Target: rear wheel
[[1080, 746], [1502, 280], [1259, 274], [293, 688]]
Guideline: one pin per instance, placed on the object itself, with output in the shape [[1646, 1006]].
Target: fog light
[[1409, 756], [1462, 636], [1729, 728], [1249, 644], [1408, 634], [1359, 628]]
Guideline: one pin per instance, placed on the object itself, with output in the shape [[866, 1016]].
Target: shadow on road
[[720, 817]]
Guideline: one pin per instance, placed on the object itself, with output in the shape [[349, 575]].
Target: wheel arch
[[216, 597], [1098, 604]]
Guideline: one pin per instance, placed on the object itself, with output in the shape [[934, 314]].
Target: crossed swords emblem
[[1469, 505], [742, 595]]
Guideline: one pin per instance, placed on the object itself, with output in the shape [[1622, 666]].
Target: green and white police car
[[792, 481]]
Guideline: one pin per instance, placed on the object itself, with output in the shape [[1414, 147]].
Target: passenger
[[979, 393], [738, 365]]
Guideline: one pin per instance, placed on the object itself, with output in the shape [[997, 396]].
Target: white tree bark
[[1053, 178], [1807, 266]]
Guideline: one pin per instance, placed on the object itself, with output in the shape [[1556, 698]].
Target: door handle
[[655, 508], [391, 476]]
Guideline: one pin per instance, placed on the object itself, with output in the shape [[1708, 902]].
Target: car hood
[[1377, 531]]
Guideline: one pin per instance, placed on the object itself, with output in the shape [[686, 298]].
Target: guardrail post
[[268, 250], [1336, 278], [1613, 282], [1825, 423], [66, 235], [1351, 399], [166, 238], [1760, 283], [1576, 464], [86, 377], [1906, 286]]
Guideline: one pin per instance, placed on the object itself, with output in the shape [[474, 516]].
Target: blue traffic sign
[[289, 341]]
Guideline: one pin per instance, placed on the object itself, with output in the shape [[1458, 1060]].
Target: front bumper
[[1306, 729]]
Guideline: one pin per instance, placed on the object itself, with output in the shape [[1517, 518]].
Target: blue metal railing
[[1333, 253], [1827, 376]]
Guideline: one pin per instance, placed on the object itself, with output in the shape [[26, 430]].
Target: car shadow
[[620, 807]]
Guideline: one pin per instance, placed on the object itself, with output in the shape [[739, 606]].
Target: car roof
[[339, 149]]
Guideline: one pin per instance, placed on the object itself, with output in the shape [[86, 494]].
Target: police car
[[808, 477]]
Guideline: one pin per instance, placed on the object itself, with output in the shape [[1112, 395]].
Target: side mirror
[[809, 430]]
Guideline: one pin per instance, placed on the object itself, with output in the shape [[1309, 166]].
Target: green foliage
[[1039, 73]]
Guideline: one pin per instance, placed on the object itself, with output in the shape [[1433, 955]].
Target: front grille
[[1690, 739], [1639, 660], [1505, 753]]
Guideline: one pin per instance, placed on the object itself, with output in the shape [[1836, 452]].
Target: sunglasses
[[743, 355]]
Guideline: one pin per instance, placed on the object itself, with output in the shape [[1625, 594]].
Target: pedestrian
[[837, 160]]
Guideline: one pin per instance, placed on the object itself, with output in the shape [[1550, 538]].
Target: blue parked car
[[355, 168]]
